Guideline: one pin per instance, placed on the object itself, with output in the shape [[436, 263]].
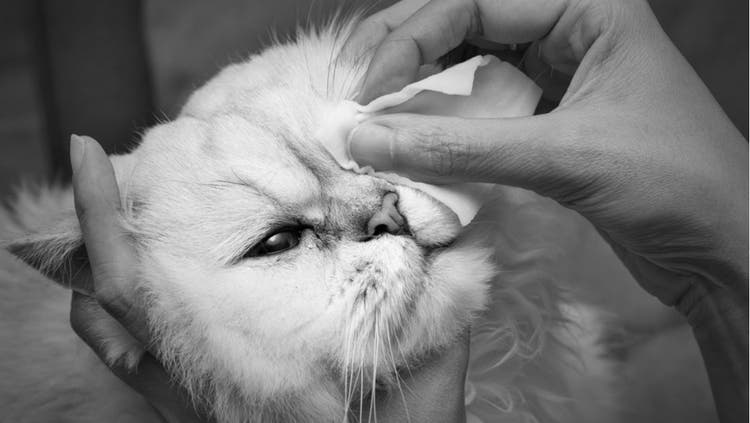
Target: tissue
[[481, 87]]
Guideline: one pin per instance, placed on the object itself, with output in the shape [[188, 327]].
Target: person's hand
[[637, 145], [433, 392], [110, 283]]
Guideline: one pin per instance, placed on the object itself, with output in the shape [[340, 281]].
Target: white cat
[[277, 285]]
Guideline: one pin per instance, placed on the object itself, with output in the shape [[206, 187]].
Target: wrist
[[719, 320], [707, 306]]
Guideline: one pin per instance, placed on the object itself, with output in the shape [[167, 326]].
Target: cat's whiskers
[[373, 411], [352, 377], [361, 387], [331, 69], [395, 371], [353, 78], [347, 374], [406, 363]]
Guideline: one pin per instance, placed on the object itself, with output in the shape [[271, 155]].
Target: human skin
[[637, 145]]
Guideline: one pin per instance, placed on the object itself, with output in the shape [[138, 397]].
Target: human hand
[[637, 144], [110, 284], [433, 392]]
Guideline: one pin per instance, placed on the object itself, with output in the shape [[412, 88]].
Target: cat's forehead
[[275, 161], [253, 125], [271, 158]]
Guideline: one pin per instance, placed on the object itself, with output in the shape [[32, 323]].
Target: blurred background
[[112, 68]]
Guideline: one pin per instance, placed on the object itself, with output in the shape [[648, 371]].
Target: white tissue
[[481, 87]]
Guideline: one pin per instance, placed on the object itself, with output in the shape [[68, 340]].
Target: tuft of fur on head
[[40, 226]]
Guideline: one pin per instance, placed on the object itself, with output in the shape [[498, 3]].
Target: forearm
[[720, 326]]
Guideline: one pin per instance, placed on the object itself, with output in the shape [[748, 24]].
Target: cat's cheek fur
[[399, 305], [454, 295], [225, 327], [223, 330], [232, 366]]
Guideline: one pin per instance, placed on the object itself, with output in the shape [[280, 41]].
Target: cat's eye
[[276, 243]]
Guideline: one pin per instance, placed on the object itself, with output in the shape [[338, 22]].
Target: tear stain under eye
[[319, 238]]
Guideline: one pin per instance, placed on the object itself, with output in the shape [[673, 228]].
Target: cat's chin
[[456, 291], [419, 306]]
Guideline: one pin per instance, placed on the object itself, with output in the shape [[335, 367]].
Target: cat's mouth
[[406, 300], [428, 247], [379, 288]]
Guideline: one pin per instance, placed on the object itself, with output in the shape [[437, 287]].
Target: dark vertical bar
[[94, 74]]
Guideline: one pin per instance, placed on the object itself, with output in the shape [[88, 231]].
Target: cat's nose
[[387, 219]]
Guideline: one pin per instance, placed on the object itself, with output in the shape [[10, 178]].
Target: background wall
[[189, 40]]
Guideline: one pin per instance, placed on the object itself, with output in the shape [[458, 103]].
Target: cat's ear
[[41, 227]]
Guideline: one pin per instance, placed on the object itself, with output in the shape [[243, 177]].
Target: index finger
[[441, 25], [368, 33], [112, 259]]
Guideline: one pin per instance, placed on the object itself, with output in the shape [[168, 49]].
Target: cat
[[275, 289]]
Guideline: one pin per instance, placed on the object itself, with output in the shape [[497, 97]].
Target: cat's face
[[262, 280], [259, 240]]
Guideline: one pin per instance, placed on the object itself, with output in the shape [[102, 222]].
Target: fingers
[[112, 324], [434, 30], [554, 81], [441, 25], [127, 360], [113, 262], [524, 152], [435, 391], [106, 337], [372, 30]]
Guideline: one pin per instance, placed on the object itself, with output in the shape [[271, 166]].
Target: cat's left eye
[[276, 243]]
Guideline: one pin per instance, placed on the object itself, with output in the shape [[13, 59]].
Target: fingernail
[[77, 150], [372, 144]]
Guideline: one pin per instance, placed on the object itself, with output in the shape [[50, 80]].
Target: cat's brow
[[244, 183], [220, 182]]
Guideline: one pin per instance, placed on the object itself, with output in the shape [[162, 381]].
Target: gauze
[[481, 87]]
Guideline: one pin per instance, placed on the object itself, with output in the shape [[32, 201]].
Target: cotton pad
[[481, 87]]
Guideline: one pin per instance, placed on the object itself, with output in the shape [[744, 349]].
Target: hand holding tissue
[[481, 87]]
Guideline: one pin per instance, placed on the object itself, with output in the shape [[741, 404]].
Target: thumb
[[434, 391], [111, 255], [524, 152]]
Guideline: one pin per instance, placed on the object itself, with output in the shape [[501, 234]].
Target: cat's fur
[[293, 336]]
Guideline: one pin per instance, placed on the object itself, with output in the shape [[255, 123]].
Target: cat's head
[[272, 276]]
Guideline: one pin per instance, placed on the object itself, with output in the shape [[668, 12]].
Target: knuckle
[[375, 22], [437, 150], [112, 299]]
